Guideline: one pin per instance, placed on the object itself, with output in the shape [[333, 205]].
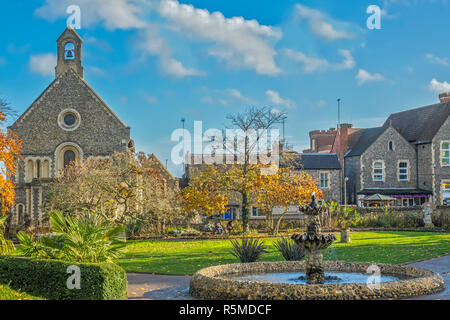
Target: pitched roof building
[[66, 123]]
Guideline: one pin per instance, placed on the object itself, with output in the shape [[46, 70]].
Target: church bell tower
[[69, 53]]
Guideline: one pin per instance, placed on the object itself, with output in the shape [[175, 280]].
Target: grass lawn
[[6, 293], [187, 257]]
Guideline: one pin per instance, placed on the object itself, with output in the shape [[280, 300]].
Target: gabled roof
[[421, 124], [71, 31], [317, 161], [54, 83], [365, 140]]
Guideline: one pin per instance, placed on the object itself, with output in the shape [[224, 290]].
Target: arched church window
[[46, 169], [38, 168], [30, 170], [69, 51], [20, 214], [69, 158]]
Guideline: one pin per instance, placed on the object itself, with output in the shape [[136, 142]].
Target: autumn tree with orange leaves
[[284, 189], [10, 147], [210, 190]]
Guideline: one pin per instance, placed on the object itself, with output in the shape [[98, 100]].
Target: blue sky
[[156, 61]]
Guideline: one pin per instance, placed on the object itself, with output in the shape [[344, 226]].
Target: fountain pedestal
[[313, 242]]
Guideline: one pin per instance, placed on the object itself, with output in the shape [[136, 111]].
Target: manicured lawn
[[6, 293], [187, 257]]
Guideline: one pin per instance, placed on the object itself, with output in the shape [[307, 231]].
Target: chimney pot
[[444, 97]]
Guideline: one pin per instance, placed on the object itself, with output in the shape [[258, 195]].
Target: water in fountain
[[300, 278]]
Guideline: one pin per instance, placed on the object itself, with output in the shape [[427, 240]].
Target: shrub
[[88, 238], [48, 279], [6, 246], [343, 217], [248, 250], [289, 250]]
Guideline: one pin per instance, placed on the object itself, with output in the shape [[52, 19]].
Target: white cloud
[[364, 76], [211, 100], [439, 87], [112, 14], [226, 97], [97, 71], [101, 44], [274, 97], [150, 99], [152, 44], [44, 64], [241, 43], [312, 64], [434, 59], [318, 25], [236, 94]]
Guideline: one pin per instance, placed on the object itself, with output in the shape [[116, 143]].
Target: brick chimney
[[444, 97]]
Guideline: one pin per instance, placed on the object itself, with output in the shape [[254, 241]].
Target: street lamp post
[[345, 191]]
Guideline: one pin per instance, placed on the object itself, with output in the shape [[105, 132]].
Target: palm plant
[[248, 250], [289, 250], [88, 238], [6, 246]]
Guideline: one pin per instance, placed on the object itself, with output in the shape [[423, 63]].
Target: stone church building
[[66, 123]]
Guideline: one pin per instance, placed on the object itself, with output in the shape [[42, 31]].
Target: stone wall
[[440, 173], [353, 172], [213, 283], [402, 151]]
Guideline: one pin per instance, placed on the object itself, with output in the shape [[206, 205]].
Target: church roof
[[71, 31], [53, 85]]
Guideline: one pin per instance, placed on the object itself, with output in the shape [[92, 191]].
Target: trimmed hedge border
[[48, 279], [212, 284]]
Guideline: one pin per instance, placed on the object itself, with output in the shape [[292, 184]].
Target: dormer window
[[69, 51], [391, 146]]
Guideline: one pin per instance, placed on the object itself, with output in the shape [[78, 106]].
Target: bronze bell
[[69, 54]]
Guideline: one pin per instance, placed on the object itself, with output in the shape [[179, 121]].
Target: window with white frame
[[378, 171], [255, 212], [445, 153], [446, 193], [390, 146], [324, 180], [403, 171]]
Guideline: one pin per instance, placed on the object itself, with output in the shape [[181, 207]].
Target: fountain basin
[[219, 283]]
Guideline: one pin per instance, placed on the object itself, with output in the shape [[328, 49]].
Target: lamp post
[[345, 191]]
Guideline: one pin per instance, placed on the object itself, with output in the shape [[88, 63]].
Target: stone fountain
[[305, 280], [313, 241]]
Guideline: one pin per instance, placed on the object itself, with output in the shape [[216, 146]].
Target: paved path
[[439, 265], [142, 286]]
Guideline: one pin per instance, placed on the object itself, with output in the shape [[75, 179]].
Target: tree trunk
[[345, 236], [277, 228], [245, 212]]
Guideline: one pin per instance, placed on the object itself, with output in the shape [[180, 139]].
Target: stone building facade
[[66, 123], [408, 158]]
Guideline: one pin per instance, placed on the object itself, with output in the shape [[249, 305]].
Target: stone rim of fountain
[[212, 283]]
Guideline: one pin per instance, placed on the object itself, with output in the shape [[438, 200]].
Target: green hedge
[[48, 279]]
